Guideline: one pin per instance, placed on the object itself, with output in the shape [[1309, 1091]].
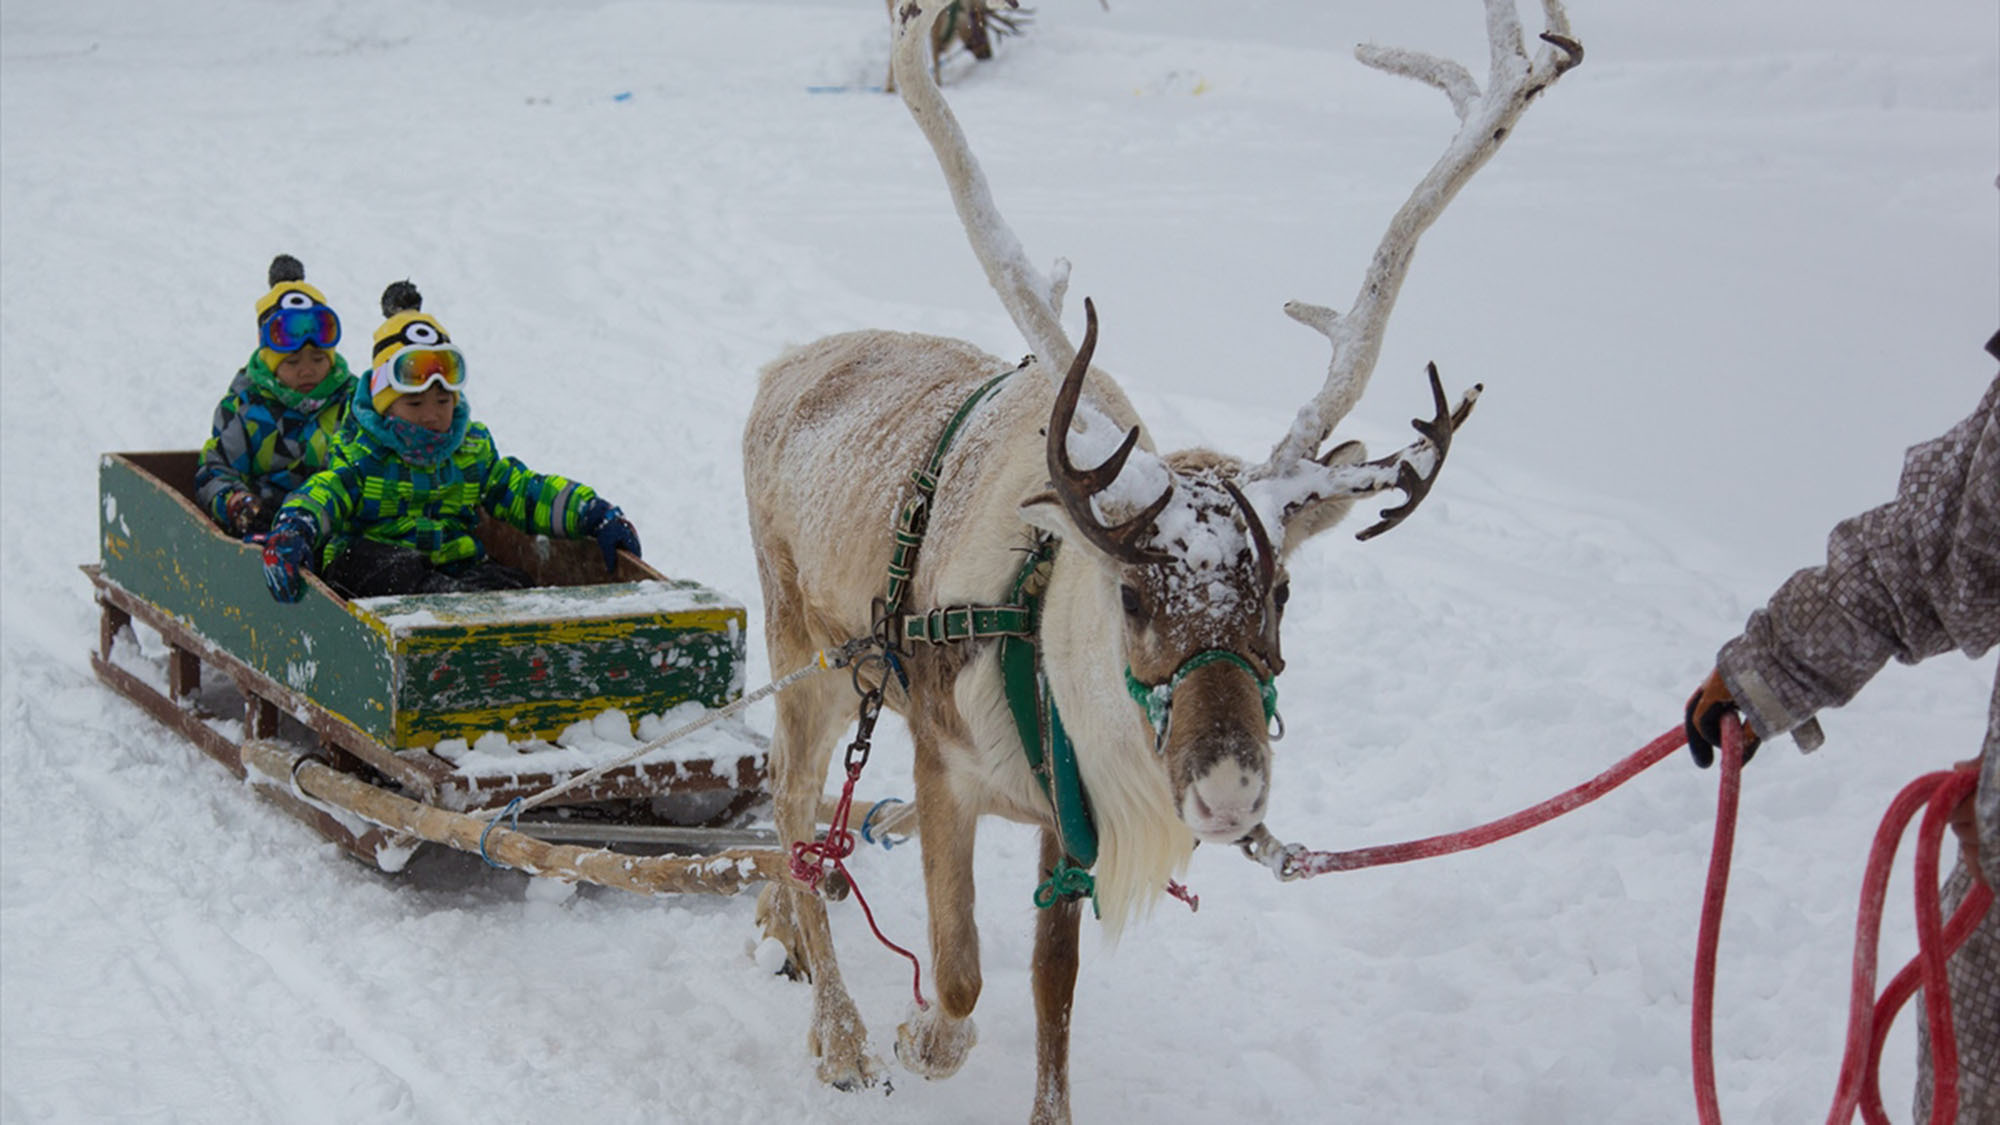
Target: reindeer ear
[[1311, 520], [1045, 511], [1318, 515]]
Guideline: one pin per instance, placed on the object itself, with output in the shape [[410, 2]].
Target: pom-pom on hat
[[408, 328], [289, 293]]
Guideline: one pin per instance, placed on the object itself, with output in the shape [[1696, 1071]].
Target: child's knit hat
[[408, 328], [287, 279]]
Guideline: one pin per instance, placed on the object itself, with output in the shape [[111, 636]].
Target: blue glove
[[285, 550], [604, 522]]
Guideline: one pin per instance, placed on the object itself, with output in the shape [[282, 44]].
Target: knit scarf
[[339, 381], [426, 449]]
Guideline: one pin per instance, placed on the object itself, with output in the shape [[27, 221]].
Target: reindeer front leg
[[935, 1041], [809, 721], [1055, 986]]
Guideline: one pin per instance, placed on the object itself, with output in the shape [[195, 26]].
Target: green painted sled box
[[412, 671]]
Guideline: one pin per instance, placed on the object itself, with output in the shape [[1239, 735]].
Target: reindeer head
[[1202, 586], [1200, 590]]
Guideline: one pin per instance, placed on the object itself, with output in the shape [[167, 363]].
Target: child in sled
[[278, 423], [396, 510]]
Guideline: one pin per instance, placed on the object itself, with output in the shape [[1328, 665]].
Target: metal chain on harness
[[810, 860]]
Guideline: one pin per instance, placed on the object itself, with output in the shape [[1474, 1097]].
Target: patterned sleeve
[[329, 497], [1986, 800], [1911, 579], [225, 461], [537, 503]]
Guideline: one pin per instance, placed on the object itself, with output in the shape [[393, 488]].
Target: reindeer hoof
[[839, 1040], [934, 1045], [775, 919], [848, 1067]]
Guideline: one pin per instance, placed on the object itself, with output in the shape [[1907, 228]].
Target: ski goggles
[[288, 330], [413, 369]]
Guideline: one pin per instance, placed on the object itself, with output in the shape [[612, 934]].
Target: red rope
[[810, 861], [1869, 1019], [1905, 984], [1309, 863], [1708, 1109]]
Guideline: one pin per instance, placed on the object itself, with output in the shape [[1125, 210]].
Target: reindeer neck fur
[[972, 553], [1141, 839]]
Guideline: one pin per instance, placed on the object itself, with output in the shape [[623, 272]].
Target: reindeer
[[1161, 577], [973, 24]]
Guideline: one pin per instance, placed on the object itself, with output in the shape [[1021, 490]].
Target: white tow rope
[[823, 660]]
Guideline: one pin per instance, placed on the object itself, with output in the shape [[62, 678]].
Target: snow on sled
[[387, 721]]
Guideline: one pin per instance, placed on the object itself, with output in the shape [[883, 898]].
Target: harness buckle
[[887, 628]]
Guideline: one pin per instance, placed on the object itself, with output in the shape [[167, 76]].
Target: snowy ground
[[1718, 281]]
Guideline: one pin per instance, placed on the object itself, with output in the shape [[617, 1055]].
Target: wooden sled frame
[[376, 797], [197, 583]]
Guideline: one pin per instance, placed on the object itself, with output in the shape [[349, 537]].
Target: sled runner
[[453, 702]]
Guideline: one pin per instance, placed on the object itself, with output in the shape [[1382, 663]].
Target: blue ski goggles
[[288, 330]]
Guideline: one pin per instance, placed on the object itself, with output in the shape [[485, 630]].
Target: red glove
[[1705, 709]]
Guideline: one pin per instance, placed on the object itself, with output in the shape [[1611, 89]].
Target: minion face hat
[[412, 350], [293, 315]]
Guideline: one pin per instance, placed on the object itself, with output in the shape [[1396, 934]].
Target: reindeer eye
[[1280, 594], [1131, 600]]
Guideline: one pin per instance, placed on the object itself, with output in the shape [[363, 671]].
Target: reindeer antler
[[1485, 121], [1340, 475], [1436, 434], [1032, 300], [1075, 487]]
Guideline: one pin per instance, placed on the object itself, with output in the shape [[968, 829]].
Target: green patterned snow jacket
[[371, 491], [267, 438]]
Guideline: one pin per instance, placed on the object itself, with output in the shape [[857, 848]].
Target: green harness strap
[[1051, 755], [916, 514], [967, 623]]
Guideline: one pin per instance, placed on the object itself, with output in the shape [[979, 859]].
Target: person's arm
[[222, 479], [1986, 799], [537, 503], [328, 498], [542, 504], [305, 521], [1913, 578]]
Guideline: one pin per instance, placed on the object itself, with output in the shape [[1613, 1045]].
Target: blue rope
[[513, 817], [887, 841]]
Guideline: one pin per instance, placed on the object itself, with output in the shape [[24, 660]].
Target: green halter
[[1158, 698]]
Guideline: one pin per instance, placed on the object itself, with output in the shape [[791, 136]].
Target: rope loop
[[887, 841], [512, 815], [1066, 881]]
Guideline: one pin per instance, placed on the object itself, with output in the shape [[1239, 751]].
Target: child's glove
[[243, 512], [607, 524], [285, 551], [1705, 709]]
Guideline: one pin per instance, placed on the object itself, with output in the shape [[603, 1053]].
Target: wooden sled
[[388, 722]]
